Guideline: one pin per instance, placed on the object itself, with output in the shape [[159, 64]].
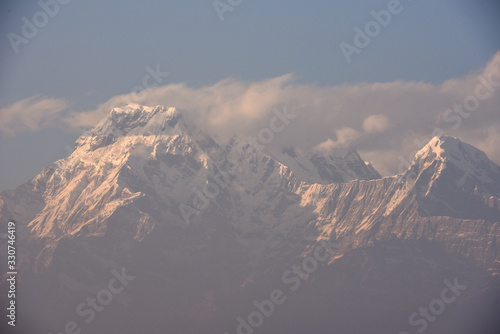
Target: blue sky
[[91, 51]]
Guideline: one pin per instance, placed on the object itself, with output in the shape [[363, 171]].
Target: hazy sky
[[60, 79]]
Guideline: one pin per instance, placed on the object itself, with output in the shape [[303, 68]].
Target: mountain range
[[209, 228]]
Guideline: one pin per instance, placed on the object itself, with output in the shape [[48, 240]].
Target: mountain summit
[[468, 166]]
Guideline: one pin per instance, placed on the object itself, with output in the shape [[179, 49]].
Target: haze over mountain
[[208, 226]]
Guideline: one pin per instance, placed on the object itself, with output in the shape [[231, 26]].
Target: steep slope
[[338, 167], [448, 166]]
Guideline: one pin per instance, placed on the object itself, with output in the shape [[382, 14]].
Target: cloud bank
[[31, 114], [385, 122]]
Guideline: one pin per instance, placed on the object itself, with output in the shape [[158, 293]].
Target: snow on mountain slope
[[337, 167], [472, 167], [456, 179]]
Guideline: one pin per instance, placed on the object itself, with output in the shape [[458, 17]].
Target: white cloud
[[345, 138], [376, 123], [384, 121], [325, 146], [31, 114]]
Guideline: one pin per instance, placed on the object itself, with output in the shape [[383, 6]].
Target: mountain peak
[[452, 150], [131, 120], [135, 114], [135, 109], [450, 158]]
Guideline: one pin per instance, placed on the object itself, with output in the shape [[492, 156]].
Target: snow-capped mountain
[[448, 166], [208, 226], [468, 167]]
